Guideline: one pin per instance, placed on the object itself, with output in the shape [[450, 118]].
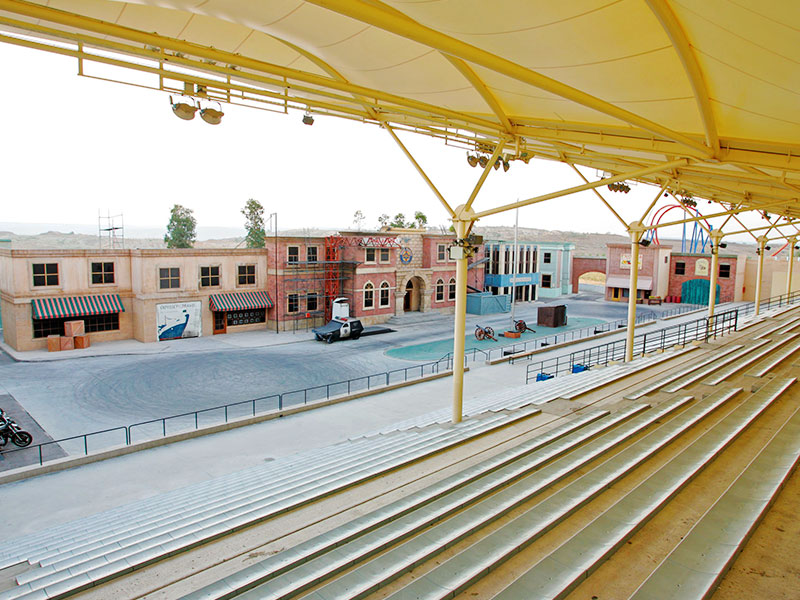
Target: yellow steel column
[[762, 241], [716, 237], [790, 268], [462, 224], [635, 230]]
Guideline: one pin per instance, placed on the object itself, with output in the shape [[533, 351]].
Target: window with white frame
[[311, 254], [369, 255], [451, 289], [369, 295], [547, 257], [292, 254], [441, 252], [439, 290], [546, 280], [384, 300], [384, 255]]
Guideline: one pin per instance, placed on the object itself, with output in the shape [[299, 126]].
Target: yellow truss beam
[[662, 167], [419, 169], [680, 42], [90, 25], [371, 15]]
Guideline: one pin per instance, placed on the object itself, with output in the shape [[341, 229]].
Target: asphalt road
[[72, 397]]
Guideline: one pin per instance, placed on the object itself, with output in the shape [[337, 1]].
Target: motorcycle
[[11, 432]]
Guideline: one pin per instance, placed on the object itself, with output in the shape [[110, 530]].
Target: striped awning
[[76, 306], [240, 301]]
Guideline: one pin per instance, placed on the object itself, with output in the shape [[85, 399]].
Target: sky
[[73, 146]]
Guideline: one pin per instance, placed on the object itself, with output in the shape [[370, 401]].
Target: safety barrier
[[676, 335], [155, 428]]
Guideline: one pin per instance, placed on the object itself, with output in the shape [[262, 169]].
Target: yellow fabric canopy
[[617, 85]]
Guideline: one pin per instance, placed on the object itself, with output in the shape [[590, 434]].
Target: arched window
[[439, 290], [384, 299], [451, 289], [369, 295]]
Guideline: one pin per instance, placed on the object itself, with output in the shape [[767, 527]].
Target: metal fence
[[215, 415], [602, 354], [643, 316], [681, 334]]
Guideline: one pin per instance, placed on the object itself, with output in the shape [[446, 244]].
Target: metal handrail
[[310, 394], [612, 351], [700, 329]]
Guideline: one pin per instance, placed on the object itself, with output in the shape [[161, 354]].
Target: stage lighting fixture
[[506, 166], [483, 161], [308, 119], [644, 243], [211, 116], [183, 110], [472, 160]]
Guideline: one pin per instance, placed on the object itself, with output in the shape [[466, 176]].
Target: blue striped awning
[[240, 301], [76, 306]]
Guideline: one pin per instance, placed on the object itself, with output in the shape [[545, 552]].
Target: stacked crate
[[74, 337]]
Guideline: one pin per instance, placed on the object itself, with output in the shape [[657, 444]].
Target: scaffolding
[[110, 231]]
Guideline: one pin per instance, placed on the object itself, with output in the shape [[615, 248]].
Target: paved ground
[[128, 382], [62, 388]]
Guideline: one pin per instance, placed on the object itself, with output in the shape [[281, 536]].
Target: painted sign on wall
[[701, 267], [625, 262], [178, 320]]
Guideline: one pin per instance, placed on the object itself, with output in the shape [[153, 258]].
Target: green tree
[[421, 219], [383, 220], [358, 218], [399, 221], [254, 224], [181, 229]]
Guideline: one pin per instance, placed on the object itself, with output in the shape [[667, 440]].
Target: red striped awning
[[76, 306], [240, 301]]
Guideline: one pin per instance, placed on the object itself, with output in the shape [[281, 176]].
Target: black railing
[[681, 334]]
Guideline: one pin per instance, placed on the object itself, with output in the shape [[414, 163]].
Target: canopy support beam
[[375, 16], [588, 186], [635, 230], [419, 169]]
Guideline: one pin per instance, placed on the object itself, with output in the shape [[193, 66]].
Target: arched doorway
[[411, 300]]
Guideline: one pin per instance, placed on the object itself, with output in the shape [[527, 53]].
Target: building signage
[[406, 256], [178, 320], [701, 267], [625, 262]]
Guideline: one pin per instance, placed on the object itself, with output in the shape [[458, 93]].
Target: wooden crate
[[512, 334], [73, 328], [552, 316], [53, 343], [67, 343], [82, 341]]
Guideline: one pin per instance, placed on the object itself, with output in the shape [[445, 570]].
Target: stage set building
[[152, 295], [543, 269], [685, 277]]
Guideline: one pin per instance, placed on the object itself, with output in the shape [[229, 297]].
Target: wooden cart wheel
[[480, 333], [520, 326], [489, 331]]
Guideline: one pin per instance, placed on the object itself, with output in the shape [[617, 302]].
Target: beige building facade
[[159, 293]]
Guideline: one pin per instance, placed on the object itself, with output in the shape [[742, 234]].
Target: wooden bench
[[654, 300]]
